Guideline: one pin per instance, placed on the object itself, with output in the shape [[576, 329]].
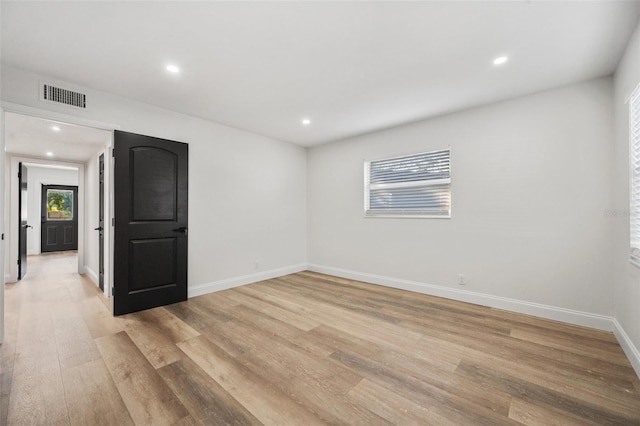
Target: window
[[634, 173], [59, 204], [416, 185]]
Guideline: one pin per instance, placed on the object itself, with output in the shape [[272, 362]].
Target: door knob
[[27, 226], [99, 228], [182, 229]]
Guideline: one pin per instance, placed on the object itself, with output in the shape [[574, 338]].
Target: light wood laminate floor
[[303, 349]]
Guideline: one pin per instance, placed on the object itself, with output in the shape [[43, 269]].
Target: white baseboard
[[628, 347], [91, 274], [211, 287], [570, 316], [7, 278]]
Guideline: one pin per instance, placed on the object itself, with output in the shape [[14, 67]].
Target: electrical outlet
[[462, 279]]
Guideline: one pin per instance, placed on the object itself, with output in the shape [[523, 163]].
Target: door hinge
[[112, 291], [113, 153], [3, 237], [113, 221]]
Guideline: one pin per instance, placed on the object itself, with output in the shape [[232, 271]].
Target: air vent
[[64, 96]]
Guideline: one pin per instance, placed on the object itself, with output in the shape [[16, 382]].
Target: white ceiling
[[351, 67], [34, 137]]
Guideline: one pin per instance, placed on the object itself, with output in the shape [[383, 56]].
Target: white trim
[[397, 154], [634, 246], [628, 347], [200, 289], [628, 98], [91, 274], [37, 226], [3, 243], [425, 213], [11, 235], [109, 215], [108, 188], [406, 216], [570, 316], [57, 116]]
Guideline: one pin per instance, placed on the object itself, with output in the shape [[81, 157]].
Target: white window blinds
[[634, 172], [411, 185]]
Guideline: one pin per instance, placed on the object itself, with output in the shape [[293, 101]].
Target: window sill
[[405, 216]]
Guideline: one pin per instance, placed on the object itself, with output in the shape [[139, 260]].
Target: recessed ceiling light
[[306, 121], [173, 69], [49, 154], [55, 128], [500, 60]]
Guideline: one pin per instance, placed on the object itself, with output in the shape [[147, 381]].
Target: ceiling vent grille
[[64, 96]]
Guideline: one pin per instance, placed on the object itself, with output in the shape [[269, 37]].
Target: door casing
[[23, 219], [10, 242], [6, 244], [44, 223]]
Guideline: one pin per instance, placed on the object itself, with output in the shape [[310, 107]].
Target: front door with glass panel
[[59, 224]]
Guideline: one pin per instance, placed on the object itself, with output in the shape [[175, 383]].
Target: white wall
[[531, 180], [36, 177], [247, 193], [626, 277]]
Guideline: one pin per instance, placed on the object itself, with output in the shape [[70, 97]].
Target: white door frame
[[14, 219], [108, 192], [36, 186], [2, 244]]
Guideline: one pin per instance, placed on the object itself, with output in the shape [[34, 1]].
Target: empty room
[[320, 212]]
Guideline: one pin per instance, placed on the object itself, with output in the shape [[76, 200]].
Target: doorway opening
[[56, 207], [59, 218], [48, 210]]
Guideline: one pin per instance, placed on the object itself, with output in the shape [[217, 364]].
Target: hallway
[[52, 318]]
